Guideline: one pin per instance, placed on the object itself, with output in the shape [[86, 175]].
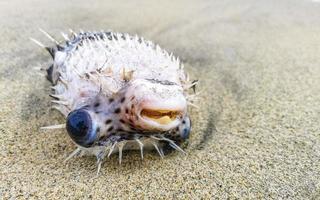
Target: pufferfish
[[118, 92]]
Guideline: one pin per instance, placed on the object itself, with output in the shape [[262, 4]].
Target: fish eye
[[80, 128], [185, 128]]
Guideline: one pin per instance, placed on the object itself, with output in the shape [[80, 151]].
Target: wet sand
[[256, 134]]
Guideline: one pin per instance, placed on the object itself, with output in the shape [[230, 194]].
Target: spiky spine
[[91, 61]]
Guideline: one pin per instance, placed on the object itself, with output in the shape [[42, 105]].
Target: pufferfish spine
[[118, 92], [104, 61]]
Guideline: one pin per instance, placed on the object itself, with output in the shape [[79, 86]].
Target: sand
[[255, 136]]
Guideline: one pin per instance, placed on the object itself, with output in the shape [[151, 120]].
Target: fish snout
[[156, 106]]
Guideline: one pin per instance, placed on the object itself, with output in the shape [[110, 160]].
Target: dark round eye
[[185, 128], [79, 127]]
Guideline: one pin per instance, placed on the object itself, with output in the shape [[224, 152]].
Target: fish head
[[142, 107]]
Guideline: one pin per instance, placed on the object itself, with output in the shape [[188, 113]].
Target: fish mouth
[[162, 117]]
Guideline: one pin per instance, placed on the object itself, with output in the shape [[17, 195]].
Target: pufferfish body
[[119, 92]]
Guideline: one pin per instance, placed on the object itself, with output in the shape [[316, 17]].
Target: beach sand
[[256, 134]]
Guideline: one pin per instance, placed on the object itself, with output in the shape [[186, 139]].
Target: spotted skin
[[115, 125]]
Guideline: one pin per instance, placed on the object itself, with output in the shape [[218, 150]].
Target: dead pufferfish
[[118, 92]]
